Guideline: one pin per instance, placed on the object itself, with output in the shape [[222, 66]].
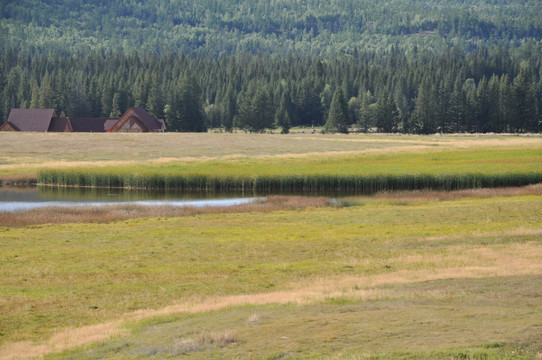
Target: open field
[[374, 277], [420, 274], [27, 153]]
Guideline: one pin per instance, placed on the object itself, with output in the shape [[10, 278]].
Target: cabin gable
[[7, 126]]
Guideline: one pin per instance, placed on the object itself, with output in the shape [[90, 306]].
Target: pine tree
[[455, 113], [443, 104], [424, 113], [494, 120], [107, 100], [386, 114], [337, 120], [80, 106], [35, 98], [115, 108], [282, 118], [525, 119], [155, 102], [365, 118], [47, 95], [506, 104], [229, 109], [185, 111], [482, 113], [255, 110]]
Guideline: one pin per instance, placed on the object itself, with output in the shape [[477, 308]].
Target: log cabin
[[46, 120]]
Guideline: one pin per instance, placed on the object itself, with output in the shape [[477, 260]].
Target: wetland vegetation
[[409, 274]]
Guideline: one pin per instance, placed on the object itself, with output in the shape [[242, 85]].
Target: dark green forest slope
[[318, 27], [416, 66]]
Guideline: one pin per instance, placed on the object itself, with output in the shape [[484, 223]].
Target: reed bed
[[359, 184], [344, 173]]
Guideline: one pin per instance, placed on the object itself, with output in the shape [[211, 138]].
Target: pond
[[26, 198]]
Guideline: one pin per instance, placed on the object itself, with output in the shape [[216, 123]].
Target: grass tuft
[[204, 341]]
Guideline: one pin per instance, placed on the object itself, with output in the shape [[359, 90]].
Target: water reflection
[[19, 199]]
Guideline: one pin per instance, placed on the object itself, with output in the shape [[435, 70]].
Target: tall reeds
[[290, 183]]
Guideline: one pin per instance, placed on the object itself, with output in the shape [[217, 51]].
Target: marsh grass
[[360, 173]]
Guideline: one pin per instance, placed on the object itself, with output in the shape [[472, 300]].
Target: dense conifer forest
[[394, 66]]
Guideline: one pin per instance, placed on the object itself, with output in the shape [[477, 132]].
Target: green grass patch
[[55, 276]]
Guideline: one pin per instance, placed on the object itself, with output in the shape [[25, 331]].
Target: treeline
[[218, 27], [492, 89]]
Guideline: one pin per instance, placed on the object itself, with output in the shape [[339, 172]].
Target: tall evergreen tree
[[456, 109], [482, 114], [494, 120], [365, 117], [337, 120], [282, 117], [506, 104], [443, 104], [229, 108], [155, 102], [255, 111], [47, 94], [185, 111], [35, 99], [115, 107], [386, 114], [424, 121], [525, 105]]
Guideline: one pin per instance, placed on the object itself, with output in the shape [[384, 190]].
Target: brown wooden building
[[45, 120]]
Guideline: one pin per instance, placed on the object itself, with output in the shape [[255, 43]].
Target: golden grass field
[[423, 274]]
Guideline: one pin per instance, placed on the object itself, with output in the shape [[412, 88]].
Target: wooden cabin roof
[[88, 124], [60, 124], [151, 123], [7, 126], [43, 120], [37, 120]]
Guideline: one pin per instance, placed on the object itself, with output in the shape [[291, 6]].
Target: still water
[[20, 199]]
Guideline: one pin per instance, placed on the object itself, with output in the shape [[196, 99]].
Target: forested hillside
[[317, 27], [417, 66]]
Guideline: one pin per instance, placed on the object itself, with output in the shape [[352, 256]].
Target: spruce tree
[[282, 118], [525, 104], [155, 102], [35, 99], [506, 103], [365, 118], [47, 95], [386, 114], [185, 111], [115, 107], [455, 112], [337, 120], [424, 121], [229, 108]]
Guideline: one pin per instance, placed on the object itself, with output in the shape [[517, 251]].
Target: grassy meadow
[[418, 274]]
